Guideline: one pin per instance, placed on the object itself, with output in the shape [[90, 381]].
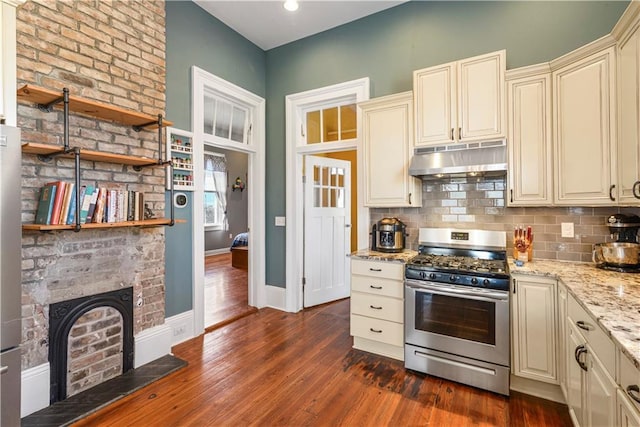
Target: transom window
[[224, 118], [331, 124]]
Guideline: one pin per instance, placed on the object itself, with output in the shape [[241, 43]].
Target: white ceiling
[[267, 24]]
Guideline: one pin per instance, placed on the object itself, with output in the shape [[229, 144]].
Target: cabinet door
[[628, 416], [534, 329], [584, 120], [529, 139], [387, 149], [601, 394], [481, 100], [435, 104], [628, 119], [576, 381]]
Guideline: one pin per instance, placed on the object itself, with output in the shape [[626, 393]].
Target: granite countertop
[[612, 298], [403, 256]]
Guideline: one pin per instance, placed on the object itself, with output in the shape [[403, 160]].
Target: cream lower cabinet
[[377, 307], [534, 336], [387, 149], [461, 101], [584, 123], [590, 370], [529, 136], [628, 394]]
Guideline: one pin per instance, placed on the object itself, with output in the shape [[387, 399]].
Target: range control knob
[[486, 282], [453, 278], [422, 275], [474, 281], [432, 276]]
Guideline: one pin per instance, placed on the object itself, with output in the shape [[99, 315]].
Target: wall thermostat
[[180, 200]]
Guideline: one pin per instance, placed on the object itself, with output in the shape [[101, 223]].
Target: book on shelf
[[71, 216], [66, 202], [86, 201], [131, 205], [57, 202], [92, 205], [45, 204]]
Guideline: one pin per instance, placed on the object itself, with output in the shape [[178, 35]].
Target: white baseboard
[[217, 251], [181, 327], [35, 389], [547, 391], [152, 344], [276, 297]]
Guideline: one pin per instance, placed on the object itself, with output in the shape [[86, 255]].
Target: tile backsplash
[[480, 203]]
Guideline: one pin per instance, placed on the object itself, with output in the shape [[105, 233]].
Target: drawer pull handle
[[582, 325], [375, 287], [579, 350], [377, 331], [633, 391], [375, 308], [375, 269]]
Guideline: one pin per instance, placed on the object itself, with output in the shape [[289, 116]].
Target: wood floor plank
[[283, 369]]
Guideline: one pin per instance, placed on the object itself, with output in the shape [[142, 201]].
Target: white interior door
[[327, 230]]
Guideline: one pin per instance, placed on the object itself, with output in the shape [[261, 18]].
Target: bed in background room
[[240, 251]]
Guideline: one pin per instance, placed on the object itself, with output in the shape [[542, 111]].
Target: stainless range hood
[[472, 159]]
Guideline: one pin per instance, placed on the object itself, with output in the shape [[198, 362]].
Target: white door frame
[[295, 152], [255, 189]]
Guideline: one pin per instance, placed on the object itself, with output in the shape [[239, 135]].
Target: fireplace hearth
[[62, 318]]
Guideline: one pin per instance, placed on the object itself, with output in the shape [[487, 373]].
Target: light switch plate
[[567, 229], [281, 221]]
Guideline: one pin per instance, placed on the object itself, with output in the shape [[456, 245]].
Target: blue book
[[45, 204], [86, 202], [71, 217]]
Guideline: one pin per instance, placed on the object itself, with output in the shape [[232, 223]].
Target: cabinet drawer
[[377, 330], [384, 269], [376, 306], [378, 286], [597, 339], [629, 379]]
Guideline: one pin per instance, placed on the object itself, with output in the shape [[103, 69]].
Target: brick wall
[[94, 350], [480, 203], [112, 52]]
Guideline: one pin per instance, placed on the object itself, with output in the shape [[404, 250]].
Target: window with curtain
[[215, 191]]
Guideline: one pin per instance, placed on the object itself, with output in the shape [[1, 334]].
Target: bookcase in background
[[180, 153]]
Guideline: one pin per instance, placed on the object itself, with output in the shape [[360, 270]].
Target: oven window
[[456, 317]]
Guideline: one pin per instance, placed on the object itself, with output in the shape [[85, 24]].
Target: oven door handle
[[480, 296]]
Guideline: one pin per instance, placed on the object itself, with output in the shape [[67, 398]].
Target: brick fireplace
[[114, 53]]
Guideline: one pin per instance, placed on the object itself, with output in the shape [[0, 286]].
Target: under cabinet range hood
[[472, 159]]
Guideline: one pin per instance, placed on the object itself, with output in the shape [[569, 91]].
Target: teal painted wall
[[196, 38], [388, 46]]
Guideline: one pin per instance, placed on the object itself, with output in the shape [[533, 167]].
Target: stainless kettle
[[389, 235]]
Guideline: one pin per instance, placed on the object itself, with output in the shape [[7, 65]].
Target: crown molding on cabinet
[[387, 99], [582, 52], [628, 22], [528, 71]]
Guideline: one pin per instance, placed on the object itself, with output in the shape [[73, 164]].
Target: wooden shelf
[[91, 155], [156, 222], [42, 96]]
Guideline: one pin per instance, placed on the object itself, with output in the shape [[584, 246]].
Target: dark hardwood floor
[[225, 291], [273, 368]]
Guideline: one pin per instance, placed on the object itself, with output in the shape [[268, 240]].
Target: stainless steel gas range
[[457, 307]]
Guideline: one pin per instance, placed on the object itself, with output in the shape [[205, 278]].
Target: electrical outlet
[[231, 235], [567, 229], [179, 330]]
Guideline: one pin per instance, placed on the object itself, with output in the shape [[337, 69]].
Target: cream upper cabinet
[[387, 150], [534, 329], [461, 101], [584, 130], [529, 136], [628, 63]]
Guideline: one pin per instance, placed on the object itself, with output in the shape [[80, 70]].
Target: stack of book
[[57, 204]]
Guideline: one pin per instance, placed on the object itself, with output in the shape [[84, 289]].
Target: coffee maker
[[623, 254], [624, 228]]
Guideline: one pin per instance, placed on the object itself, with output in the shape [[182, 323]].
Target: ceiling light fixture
[[291, 5]]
